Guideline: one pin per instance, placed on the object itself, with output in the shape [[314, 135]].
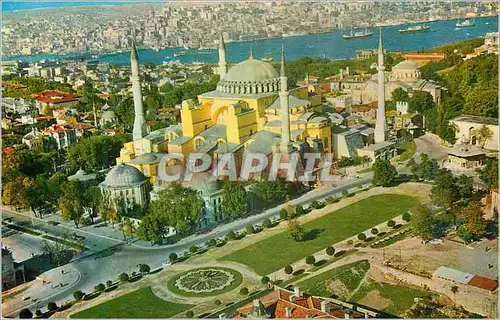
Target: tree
[[265, 280], [15, 192], [421, 101], [283, 214], [424, 223], [266, 223], [444, 193], [151, 229], [190, 314], [78, 295], [144, 268], [234, 200], [374, 231], [123, 277], [25, 314], [109, 283], [52, 306], [384, 174], [454, 289], [56, 250], [99, 287], [426, 169], [473, 220], [250, 229], [464, 186], [244, 291], [193, 249], [406, 216], [217, 302], [299, 210], [295, 231], [172, 257], [310, 260], [330, 251], [288, 269], [270, 191], [391, 223], [489, 174], [361, 236], [38, 313], [70, 202], [483, 134], [177, 207]]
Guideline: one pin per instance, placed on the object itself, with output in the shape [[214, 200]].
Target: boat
[[293, 34], [465, 23], [359, 34], [414, 29]]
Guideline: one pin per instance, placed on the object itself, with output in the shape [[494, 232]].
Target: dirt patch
[[338, 288], [375, 300]]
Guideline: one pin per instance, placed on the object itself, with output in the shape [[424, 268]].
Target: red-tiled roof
[[55, 97], [8, 150], [57, 128], [43, 118], [483, 283], [80, 125]]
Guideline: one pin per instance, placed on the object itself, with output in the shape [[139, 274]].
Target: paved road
[[430, 144], [108, 261]]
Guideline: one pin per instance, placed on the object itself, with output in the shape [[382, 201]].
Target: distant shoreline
[[82, 4]]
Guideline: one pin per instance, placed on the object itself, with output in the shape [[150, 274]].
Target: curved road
[[109, 263]]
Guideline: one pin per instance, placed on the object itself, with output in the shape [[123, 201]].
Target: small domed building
[[126, 182]]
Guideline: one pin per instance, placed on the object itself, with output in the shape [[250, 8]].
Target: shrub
[[52, 306], [217, 302], [172, 257], [310, 260], [190, 314], [109, 283], [283, 214], [288, 269], [391, 223], [38, 313], [99, 287], [330, 251], [144, 268], [317, 204], [345, 192], [123, 277], [265, 280], [193, 249], [250, 229], [361, 236], [266, 223], [230, 236], [374, 231], [25, 314], [329, 199], [406, 216], [78, 295], [211, 243], [244, 291], [299, 210], [350, 242]]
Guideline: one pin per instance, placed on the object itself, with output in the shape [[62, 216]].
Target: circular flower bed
[[205, 281]]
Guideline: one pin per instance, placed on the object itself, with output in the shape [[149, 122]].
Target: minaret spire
[[139, 130], [222, 57], [284, 110], [380, 121], [250, 56]]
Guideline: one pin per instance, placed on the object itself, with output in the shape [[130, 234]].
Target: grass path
[[275, 252]]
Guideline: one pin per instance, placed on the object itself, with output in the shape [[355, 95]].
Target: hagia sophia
[[251, 110]]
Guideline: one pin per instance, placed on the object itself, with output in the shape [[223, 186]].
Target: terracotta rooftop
[[57, 128], [55, 97], [483, 283]]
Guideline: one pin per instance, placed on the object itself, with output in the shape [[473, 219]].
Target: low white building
[[467, 128]]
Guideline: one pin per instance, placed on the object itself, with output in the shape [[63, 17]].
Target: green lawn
[[402, 297], [278, 251], [409, 150], [350, 275], [141, 303], [238, 279]]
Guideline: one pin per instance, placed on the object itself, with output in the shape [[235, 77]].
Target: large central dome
[[250, 77], [251, 71]]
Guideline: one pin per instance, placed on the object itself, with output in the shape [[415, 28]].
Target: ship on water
[[414, 29], [465, 23], [356, 35]]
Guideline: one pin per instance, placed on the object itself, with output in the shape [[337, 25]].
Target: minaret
[[139, 120], [222, 57], [380, 122], [285, 115]]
